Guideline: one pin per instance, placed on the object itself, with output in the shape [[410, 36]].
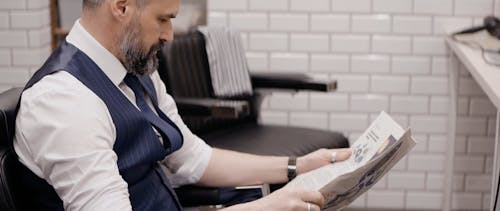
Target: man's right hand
[[286, 200]]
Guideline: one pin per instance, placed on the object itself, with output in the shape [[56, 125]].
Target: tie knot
[[133, 82], [130, 79]]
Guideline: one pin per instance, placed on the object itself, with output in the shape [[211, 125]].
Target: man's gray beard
[[135, 58]]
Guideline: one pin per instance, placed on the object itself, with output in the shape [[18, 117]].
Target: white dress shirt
[[65, 135]]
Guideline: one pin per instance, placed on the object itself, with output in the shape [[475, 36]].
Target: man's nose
[[167, 36]]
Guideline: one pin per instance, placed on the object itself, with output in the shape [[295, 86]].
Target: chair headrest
[[8, 104]]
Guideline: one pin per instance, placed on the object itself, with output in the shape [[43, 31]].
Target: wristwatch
[[292, 168]]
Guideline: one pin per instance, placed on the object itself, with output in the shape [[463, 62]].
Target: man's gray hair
[[92, 4]]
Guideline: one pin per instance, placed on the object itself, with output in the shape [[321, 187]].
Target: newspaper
[[375, 152]]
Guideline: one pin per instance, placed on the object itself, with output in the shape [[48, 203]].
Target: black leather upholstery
[[274, 140], [292, 81], [195, 196], [185, 71], [190, 73], [184, 68], [8, 103], [6, 189]]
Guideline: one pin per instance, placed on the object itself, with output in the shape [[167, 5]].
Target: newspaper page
[[375, 152]]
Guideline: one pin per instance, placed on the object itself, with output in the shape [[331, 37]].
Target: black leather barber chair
[[8, 194], [232, 123]]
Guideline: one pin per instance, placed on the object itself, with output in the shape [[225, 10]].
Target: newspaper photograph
[[374, 153]]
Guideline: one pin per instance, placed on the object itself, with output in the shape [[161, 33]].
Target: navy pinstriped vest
[[137, 145]]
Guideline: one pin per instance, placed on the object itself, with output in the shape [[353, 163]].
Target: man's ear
[[120, 8]]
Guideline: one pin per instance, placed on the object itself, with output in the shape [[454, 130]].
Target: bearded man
[[95, 125]]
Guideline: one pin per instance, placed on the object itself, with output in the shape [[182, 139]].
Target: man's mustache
[[156, 47]]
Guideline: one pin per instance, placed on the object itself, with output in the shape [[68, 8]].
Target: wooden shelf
[[57, 33], [61, 32]]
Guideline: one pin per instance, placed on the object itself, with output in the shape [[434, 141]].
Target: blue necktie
[[166, 130]]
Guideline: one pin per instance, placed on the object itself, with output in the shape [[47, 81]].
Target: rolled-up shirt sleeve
[[188, 164]]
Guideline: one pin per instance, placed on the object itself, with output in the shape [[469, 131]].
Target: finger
[[313, 197], [342, 154], [310, 207], [315, 207]]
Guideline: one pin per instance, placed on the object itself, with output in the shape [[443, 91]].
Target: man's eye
[[163, 20]]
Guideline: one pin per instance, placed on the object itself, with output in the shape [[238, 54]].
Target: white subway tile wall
[[217, 19], [413, 65], [24, 40], [352, 6], [329, 63], [392, 6], [310, 6], [391, 44], [277, 5], [433, 7], [446, 24], [13, 5], [269, 41], [412, 25], [400, 180], [289, 62], [386, 199], [466, 201], [420, 200], [258, 61], [371, 23], [385, 55], [370, 63], [227, 4], [248, 21], [473, 7], [329, 23], [350, 43], [289, 22], [497, 7], [309, 42]]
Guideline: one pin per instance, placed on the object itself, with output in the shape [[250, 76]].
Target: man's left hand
[[320, 158]]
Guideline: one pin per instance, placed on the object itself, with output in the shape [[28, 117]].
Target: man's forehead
[[165, 7], [165, 3]]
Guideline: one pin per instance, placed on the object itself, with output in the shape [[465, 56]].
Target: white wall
[[386, 55], [24, 39], [497, 7]]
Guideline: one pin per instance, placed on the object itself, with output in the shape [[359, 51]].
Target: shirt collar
[[109, 64]]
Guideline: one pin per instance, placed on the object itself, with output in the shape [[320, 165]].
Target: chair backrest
[[227, 62], [184, 67], [185, 70], [8, 103]]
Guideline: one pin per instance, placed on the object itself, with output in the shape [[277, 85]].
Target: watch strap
[[292, 168]]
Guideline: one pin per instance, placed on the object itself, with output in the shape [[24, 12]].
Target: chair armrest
[[291, 81], [228, 109], [264, 188], [191, 195]]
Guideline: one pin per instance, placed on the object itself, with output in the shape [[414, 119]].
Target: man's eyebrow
[[170, 15]]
